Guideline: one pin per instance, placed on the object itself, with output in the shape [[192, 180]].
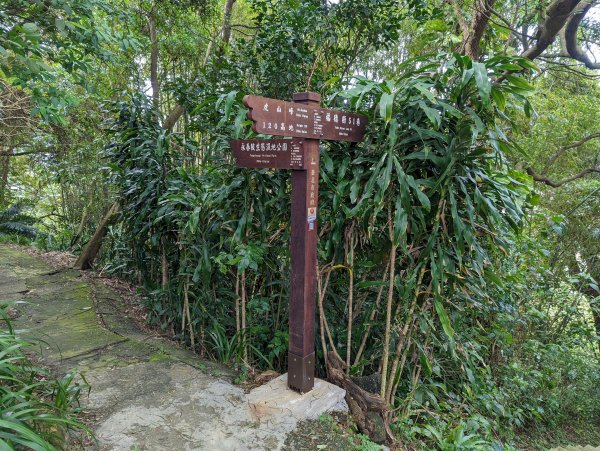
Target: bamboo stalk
[[365, 336], [237, 302], [401, 340], [321, 314], [184, 310], [187, 312], [350, 261], [244, 341], [388, 310], [322, 317]]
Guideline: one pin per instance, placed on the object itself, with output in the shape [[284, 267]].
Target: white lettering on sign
[[276, 117]]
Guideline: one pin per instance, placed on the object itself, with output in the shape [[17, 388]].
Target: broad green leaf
[[483, 83], [499, 98], [519, 82], [386, 104]]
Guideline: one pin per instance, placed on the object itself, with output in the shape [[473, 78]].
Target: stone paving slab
[[146, 394], [577, 448]]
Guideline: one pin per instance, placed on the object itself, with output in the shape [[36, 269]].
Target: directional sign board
[[281, 118], [304, 119], [272, 153]]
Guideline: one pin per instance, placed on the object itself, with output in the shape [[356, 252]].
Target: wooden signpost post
[[308, 123]]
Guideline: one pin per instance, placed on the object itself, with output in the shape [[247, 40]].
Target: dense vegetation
[[459, 252], [36, 409]]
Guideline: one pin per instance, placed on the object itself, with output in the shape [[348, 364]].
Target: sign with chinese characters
[[281, 118], [271, 153], [308, 123]]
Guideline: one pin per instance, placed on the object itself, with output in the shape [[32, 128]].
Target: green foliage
[[41, 42], [36, 410], [455, 439], [495, 281], [13, 221], [435, 162]]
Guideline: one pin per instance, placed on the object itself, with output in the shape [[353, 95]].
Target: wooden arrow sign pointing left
[[271, 153]]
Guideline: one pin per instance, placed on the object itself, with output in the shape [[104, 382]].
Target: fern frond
[[18, 228]]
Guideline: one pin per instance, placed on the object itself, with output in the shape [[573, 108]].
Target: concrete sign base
[[275, 398]]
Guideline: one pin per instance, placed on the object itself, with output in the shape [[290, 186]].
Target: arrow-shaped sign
[[281, 118]]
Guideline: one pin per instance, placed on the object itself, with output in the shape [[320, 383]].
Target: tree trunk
[[176, 113], [226, 27], [360, 401], [87, 256], [555, 17], [154, 82], [471, 41], [4, 169], [80, 229]]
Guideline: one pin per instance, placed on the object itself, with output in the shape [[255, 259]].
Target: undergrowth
[[36, 410]]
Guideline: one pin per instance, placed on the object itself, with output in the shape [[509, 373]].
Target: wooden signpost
[[304, 119]]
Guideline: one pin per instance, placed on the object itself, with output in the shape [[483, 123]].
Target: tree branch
[[570, 36], [555, 184], [18, 154], [563, 149], [556, 15], [179, 109]]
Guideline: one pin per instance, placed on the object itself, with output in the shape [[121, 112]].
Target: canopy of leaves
[[458, 242]]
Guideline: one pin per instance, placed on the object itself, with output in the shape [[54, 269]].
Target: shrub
[[36, 410]]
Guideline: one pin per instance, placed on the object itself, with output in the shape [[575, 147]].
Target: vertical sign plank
[[303, 118], [305, 194]]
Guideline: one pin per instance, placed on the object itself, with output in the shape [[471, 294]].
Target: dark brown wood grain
[[269, 153], [305, 195], [303, 120]]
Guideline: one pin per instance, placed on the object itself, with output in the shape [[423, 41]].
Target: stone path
[[577, 448], [145, 393]]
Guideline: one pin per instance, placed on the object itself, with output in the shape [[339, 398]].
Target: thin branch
[[568, 68], [236, 25], [18, 154], [563, 149], [506, 24], [556, 184]]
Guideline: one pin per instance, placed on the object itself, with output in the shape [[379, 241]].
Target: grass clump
[[36, 410]]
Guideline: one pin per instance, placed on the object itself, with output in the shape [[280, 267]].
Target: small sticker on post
[[311, 215]]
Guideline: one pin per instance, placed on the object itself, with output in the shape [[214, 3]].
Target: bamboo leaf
[[444, 320]]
